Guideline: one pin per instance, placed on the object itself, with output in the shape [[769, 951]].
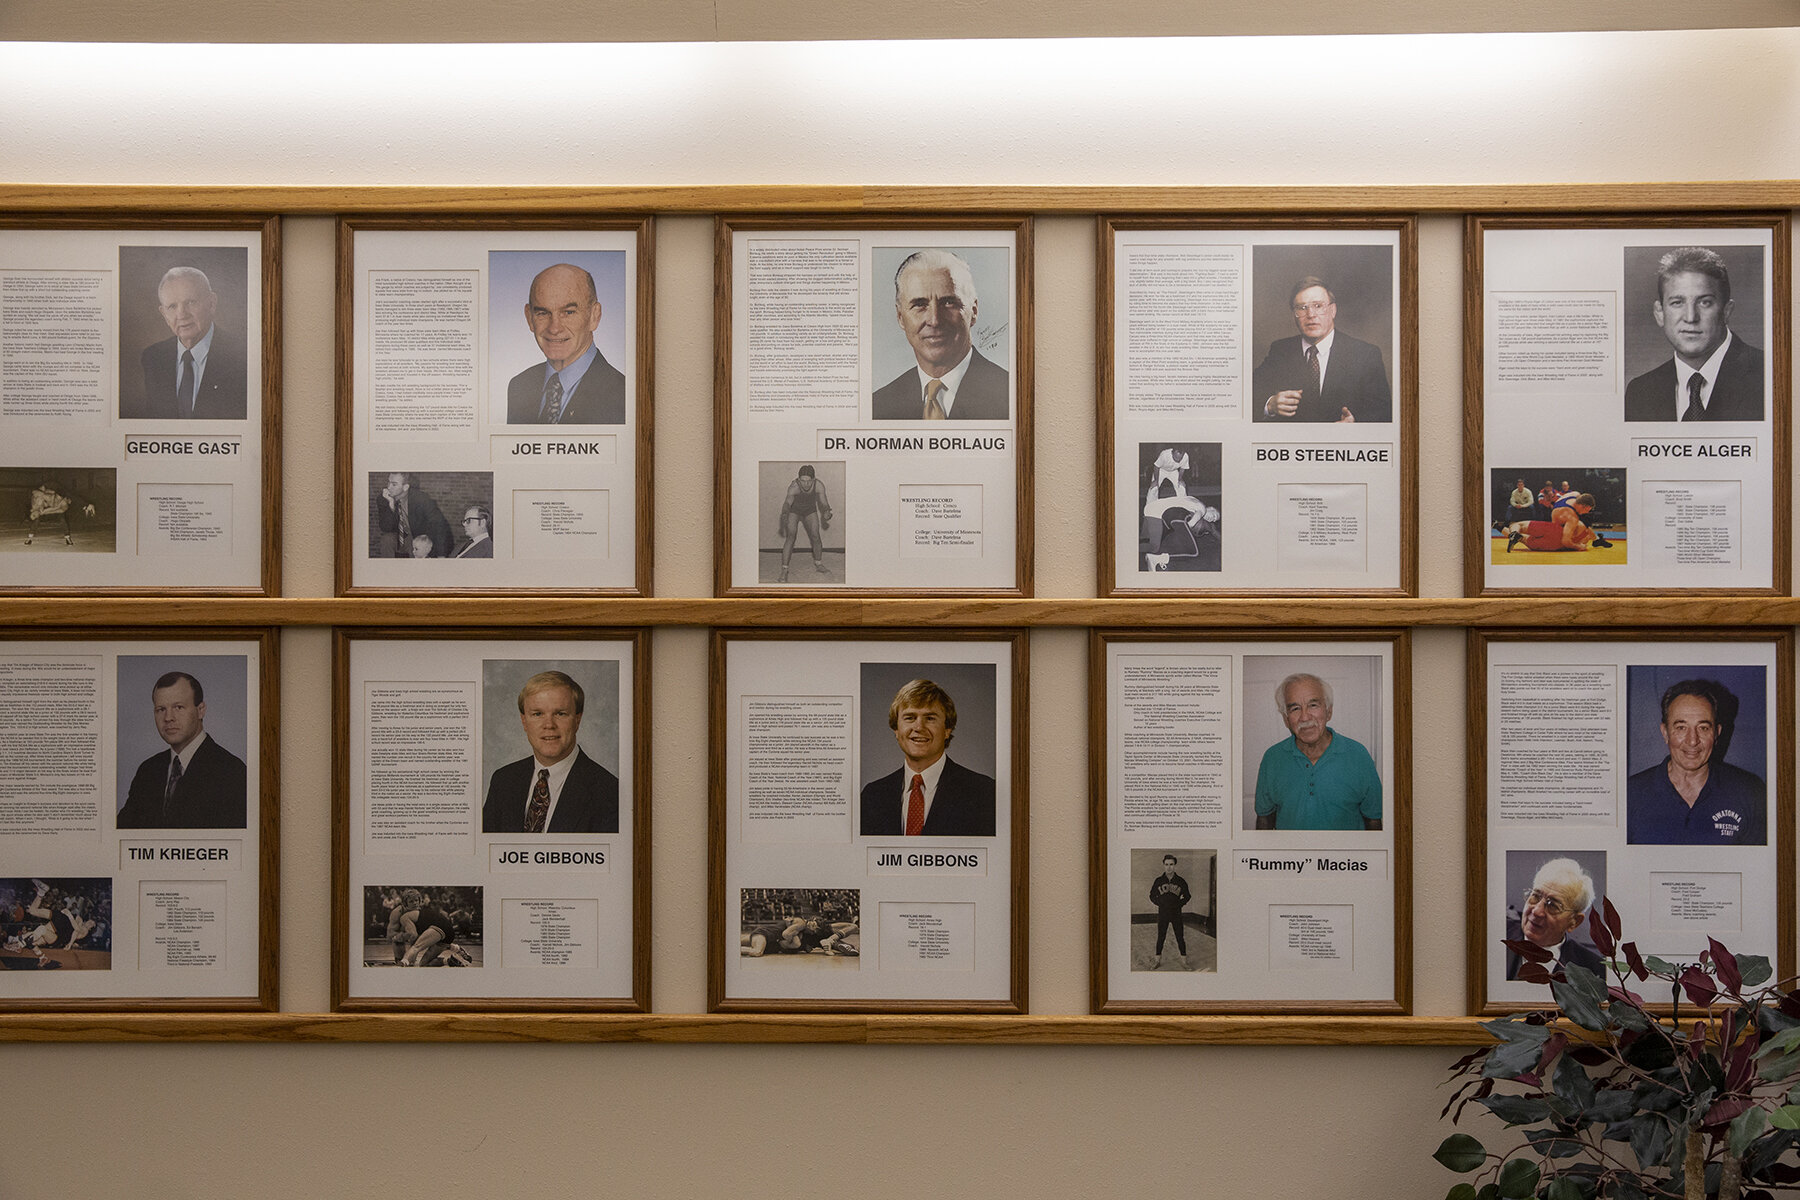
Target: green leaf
[[1461, 1153], [1780, 1067], [1462, 1191], [1650, 1140], [1518, 1179], [1585, 981], [1746, 1127], [1563, 1189], [1754, 968], [1511, 1060], [1549, 1144], [1572, 1082], [1489, 1191], [1786, 1117], [1609, 1105], [1577, 1004], [1516, 1110], [1781, 1043], [1659, 967]]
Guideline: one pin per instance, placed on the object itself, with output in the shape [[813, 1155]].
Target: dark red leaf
[[1697, 1041], [1529, 1079], [1725, 965], [1609, 916], [1624, 995], [1533, 973], [1553, 1046], [1699, 987], [1529, 952], [1603, 939], [1724, 1110], [1636, 961]]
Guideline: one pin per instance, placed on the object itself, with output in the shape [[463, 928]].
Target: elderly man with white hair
[[937, 308], [198, 374], [1555, 905]]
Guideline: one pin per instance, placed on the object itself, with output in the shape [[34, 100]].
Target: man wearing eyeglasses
[[477, 525], [1324, 374], [1554, 907]]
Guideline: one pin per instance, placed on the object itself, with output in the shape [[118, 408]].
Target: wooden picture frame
[[1186, 305], [116, 481], [953, 502], [1561, 356], [814, 858], [568, 513], [1316, 929], [1593, 698], [197, 864], [565, 923]]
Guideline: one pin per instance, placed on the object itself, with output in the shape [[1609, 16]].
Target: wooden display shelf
[[738, 1028]]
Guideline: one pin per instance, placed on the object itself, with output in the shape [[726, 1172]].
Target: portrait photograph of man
[[1313, 728], [184, 339], [557, 336], [182, 725], [928, 750], [1322, 333], [1697, 751], [550, 746], [1550, 897], [1695, 332], [946, 353], [410, 514]]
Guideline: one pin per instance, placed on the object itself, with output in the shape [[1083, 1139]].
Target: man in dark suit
[[574, 385], [1324, 374], [1555, 906], [408, 513], [558, 788], [936, 305], [1715, 375], [196, 783], [199, 373], [478, 526], [930, 795]]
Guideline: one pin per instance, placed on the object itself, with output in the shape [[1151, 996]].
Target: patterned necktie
[[184, 391], [915, 807], [540, 802], [553, 401], [1694, 411], [1312, 369], [934, 408], [404, 549], [174, 782]]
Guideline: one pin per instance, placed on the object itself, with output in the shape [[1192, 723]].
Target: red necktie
[[915, 807], [540, 803]]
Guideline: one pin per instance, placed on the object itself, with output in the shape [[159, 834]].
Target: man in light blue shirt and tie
[[574, 385]]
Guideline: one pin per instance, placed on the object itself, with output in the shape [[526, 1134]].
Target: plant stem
[[1694, 1169]]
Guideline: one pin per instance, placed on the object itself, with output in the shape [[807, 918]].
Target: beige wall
[[492, 1120]]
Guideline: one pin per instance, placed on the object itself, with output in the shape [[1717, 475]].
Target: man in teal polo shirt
[[1318, 778]]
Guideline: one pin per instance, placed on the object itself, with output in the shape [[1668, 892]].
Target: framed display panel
[[140, 404], [1258, 405], [126, 881], [838, 883], [494, 415], [1251, 822], [1649, 768], [491, 813], [1628, 404], [873, 405]]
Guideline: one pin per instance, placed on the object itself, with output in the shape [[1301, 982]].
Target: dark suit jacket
[[1737, 393], [983, 395], [482, 549], [599, 399], [211, 795], [1572, 952], [221, 395], [963, 806], [589, 802], [424, 515], [1354, 378]]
